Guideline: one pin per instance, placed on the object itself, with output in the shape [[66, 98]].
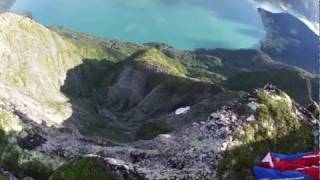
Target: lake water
[[184, 24]]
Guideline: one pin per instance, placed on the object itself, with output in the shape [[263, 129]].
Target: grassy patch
[[86, 168], [157, 60], [294, 82], [12, 157]]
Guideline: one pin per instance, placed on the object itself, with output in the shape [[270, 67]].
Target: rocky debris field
[[194, 152]]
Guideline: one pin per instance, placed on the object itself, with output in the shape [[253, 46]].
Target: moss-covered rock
[[86, 168], [98, 168], [17, 160], [276, 128], [155, 60]]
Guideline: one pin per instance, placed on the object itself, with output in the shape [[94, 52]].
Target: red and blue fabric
[[301, 166]]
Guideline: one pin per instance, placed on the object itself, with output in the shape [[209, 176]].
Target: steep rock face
[[141, 94], [306, 10], [290, 41], [35, 61]]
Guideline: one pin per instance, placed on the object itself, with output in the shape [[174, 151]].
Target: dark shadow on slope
[[238, 61], [300, 87], [246, 70], [126, 101], [84, 85]]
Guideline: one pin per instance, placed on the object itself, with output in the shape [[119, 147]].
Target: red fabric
[[313, 172], [285, 165], [308, 165]]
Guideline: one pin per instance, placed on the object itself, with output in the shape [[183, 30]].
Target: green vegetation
[[92, 47], [21, 163], [151, 130], [85, 168], [204, 70], [30, 167], [155, 59], [15, 159], [276, 129], [294, 82]]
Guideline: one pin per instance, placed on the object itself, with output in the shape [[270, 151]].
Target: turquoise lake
[[184, 24]]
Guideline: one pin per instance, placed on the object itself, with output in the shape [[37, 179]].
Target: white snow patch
[[165, 136], [182, 110], [115, 161]]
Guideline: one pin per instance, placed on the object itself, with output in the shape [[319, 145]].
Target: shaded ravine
[[125, 101]]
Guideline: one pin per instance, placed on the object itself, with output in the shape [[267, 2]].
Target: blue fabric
[[289, 157], [270, 174]]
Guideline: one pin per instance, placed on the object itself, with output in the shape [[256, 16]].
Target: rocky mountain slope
[[290, 41], [71, 101], [306, 11], [222, 146]]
